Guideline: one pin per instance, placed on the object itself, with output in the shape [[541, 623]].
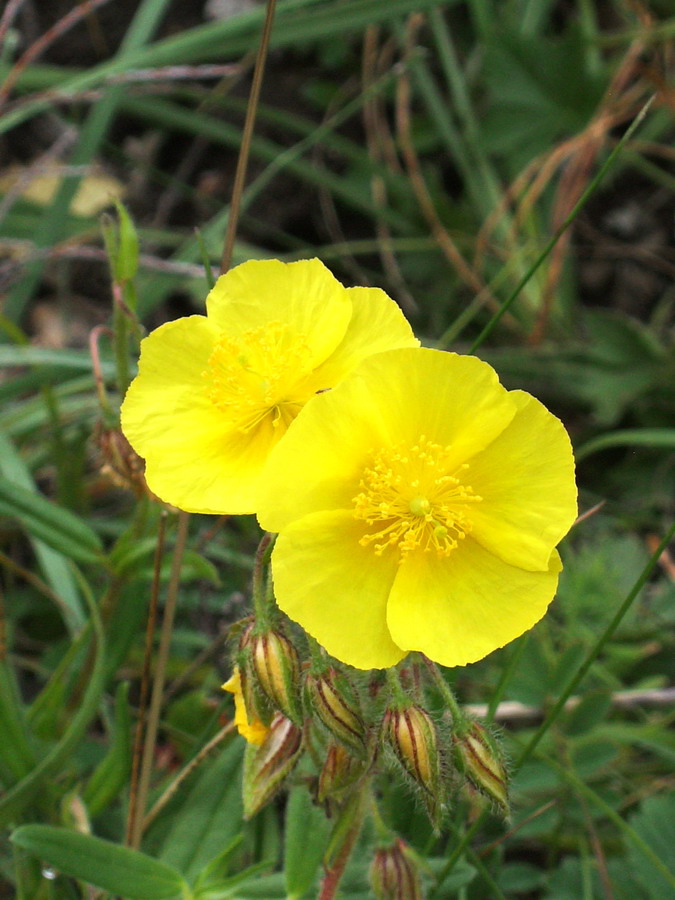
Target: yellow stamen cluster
[[259, 376], [414, 498]]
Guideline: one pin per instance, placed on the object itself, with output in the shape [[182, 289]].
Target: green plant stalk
[[458, 850], [567, 691], [588, 792], [261, 606], [495, 892], [579, 205], [459, 719], [134, 812], [120, 341], [507, 672]]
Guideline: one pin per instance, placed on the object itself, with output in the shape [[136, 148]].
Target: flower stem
[[398, 695], [347, 829], [459, 718], [261, 604]]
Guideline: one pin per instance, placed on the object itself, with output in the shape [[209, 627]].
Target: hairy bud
[[412, 736], [331, 698], [478, 757], [276, 664], [394, 874], [266, 767], [340, 771]]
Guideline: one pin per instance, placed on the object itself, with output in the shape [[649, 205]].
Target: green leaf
[[126, 264], [78, 360], [110, 776], [655, 824], [54, 566], [210, 816], [57, 527], [119, 870], [16, 753], [15, 799], [307, 833]]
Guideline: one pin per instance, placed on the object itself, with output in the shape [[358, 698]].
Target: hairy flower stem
[[262, 605], [348, 827], [460, 721], [399, 698], [319, 662]]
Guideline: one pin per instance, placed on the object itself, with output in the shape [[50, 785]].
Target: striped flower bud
[[266, 767], [277, 667], [331, 698], [412, 736], [479, 758], [394, 874], [339, 772]]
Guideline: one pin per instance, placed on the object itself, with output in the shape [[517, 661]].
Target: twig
[[185, 773], [135, 813], [160, 674], [11, 10], [517, 713], [47, 39], [196, 663], [427, 207], [242, 160]]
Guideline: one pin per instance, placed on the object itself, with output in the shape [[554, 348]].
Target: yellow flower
[[419, 504], [215, 393], [252, 729]]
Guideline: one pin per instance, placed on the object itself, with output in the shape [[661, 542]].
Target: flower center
[[257, 377], [414, 500]]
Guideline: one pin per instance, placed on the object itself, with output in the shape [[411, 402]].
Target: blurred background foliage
[[433, 149]]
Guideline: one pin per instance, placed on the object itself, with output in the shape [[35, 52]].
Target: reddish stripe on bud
[[394, 874]]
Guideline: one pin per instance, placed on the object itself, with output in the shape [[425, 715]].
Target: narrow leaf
[[119, 870], [56, 526]]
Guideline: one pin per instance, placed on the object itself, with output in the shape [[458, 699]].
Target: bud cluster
[[286, 706]]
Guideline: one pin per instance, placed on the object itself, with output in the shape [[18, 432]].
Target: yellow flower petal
[[303, 295], [376, 325], [336, 589], [390, 398], [459, 608], [252, 729], [214, 395], [170, 382], [530, 503], [193, 460], [397, 467], [208, 469]]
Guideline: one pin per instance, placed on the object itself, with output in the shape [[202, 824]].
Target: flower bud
[[412, 736], [277, 667], [394, 874], [329, 697], [266, 767], [479, 758], [119, 461], [340, 771]]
